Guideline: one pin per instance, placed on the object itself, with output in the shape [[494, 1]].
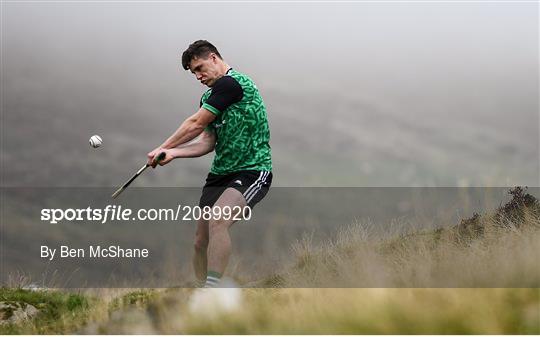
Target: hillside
[[458, 280]]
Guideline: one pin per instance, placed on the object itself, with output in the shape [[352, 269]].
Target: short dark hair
[[199, 48]]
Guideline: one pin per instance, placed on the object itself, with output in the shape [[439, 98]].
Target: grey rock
[[12, 312]]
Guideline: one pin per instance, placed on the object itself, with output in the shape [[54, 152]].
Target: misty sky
[[461, 67]]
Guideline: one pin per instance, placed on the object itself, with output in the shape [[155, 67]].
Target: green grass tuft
[[59, 312]]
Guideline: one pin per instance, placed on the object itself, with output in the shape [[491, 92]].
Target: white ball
[[95, 141]]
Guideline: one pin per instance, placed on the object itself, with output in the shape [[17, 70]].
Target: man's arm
[[188, 130], [204, 144], [225, 92]]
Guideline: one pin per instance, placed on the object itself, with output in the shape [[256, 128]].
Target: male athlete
[[232, 121]]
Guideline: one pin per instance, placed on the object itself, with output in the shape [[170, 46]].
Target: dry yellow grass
[[472, 265], [489, 265], [339, 311], [502, 257], [480, 277], [378, 311]]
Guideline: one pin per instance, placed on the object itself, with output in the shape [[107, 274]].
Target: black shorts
[[252, 184]]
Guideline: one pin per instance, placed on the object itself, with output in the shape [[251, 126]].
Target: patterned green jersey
[[241, 125]]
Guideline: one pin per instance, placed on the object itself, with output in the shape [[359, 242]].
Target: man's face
[[206, 70]]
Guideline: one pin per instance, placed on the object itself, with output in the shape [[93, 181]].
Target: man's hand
[[188, 130], [169, 155], [153, 157]]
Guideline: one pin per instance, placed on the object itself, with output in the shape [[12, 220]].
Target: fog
[[358, 94]]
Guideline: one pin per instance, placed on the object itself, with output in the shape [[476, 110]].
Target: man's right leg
[[200, 260]]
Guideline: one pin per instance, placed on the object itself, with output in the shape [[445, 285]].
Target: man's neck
[[224, 68]]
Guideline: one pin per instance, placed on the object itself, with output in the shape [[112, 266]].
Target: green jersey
[[241, 125]]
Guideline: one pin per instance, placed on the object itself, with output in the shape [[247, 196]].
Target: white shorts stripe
[[259, 186], [253, 185]]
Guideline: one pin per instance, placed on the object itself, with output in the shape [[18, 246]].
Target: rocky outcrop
[[12, 312]]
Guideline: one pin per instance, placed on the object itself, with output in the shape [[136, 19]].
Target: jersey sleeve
[[225, 92]]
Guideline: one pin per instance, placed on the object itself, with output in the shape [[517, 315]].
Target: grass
[[137, 298], [378, 311], [493, 253], [64, 312], [491, 250], [58, 311], [480, 276]]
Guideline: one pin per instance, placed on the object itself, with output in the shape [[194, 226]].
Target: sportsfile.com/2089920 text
[[119, 213]]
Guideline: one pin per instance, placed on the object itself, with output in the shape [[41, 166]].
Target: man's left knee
[[218, 224]]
